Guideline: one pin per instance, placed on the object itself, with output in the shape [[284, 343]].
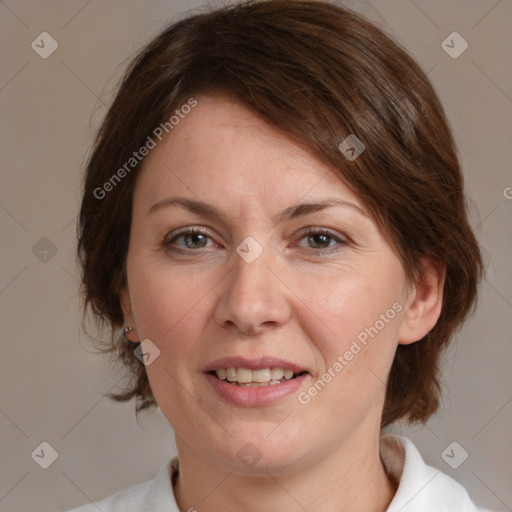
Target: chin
[[248, 456]]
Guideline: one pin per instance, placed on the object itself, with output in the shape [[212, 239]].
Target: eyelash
[[308, 232]]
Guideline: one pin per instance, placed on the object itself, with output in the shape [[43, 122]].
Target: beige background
[[52, 382]]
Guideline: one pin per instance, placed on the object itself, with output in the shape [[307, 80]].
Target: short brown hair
[[319, 73]]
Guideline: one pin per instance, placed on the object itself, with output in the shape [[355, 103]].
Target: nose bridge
[[253, 297]]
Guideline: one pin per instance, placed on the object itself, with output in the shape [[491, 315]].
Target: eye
[[319, 239], [193, 238]]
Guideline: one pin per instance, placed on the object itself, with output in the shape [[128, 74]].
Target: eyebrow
[[292, 212]]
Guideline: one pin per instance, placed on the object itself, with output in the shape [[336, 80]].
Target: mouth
[[255, 381], [262, 377]]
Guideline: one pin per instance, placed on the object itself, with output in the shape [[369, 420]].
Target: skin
[[290, 303]]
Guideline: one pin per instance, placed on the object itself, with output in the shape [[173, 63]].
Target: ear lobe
[[128, 318], [425, 303]]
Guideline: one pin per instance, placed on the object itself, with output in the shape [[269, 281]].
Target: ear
[[424, 302], [129, 319]]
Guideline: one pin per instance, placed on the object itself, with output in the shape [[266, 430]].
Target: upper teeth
[[244, 375]]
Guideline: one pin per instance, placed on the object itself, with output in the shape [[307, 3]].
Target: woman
[[273, 216]]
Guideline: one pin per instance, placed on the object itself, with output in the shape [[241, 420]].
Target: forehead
[[221, 150]]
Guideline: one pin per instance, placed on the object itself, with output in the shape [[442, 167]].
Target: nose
[[254, 298]]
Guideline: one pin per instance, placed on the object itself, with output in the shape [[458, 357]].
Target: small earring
[[127, 330]]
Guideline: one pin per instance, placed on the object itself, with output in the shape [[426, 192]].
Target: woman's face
[[256, 286]]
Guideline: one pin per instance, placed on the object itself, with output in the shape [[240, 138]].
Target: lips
[[243, 396], [254, 364]]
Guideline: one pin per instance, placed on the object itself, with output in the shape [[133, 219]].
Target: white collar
[[422, 488]]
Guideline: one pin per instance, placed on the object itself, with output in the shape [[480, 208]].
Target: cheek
[[164, 297], [348, 305], [169, 305], [355, 330]]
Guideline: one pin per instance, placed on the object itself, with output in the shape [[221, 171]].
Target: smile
[[255, 378]]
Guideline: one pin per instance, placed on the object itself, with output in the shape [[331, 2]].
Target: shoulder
[[154, 495], [421, 488]]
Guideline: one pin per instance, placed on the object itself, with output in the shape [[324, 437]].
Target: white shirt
[[421, 488]]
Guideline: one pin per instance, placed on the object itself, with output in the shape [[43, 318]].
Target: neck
[[350, 478]]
